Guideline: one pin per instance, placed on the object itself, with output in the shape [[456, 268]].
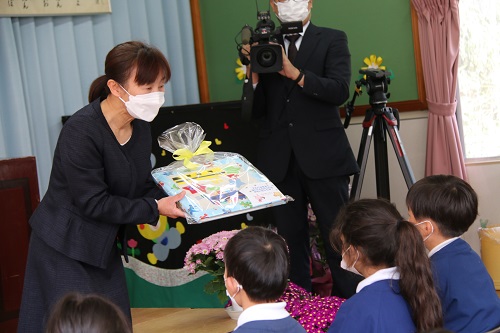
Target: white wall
[[484, 177]]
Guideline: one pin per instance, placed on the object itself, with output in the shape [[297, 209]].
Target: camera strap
[[247, 98]]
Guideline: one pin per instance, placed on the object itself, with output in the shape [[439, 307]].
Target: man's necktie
[[292, 48]]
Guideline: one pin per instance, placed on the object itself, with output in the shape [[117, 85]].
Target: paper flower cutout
[[241, 71], [373, 62]]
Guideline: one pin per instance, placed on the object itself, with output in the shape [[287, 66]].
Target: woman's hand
[[168, 206]]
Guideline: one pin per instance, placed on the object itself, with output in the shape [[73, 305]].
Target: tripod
[[379, 121]]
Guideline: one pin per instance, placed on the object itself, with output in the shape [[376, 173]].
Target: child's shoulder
[[284, 325], [458, 257]]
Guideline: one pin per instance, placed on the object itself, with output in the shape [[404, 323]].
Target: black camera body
[[376, 83], [265, 57]]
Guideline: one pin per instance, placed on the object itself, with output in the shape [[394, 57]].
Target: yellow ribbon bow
[[186, 155]]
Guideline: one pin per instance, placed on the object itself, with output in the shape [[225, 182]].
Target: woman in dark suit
[[100, 182]]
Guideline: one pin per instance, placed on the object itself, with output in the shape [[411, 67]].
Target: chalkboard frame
[[410, 105]]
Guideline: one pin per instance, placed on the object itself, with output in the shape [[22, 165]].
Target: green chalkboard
[[383, 28]]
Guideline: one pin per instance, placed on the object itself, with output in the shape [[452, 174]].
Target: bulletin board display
[[16, 8]]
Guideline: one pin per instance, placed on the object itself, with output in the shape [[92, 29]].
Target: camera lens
[[266, 57]]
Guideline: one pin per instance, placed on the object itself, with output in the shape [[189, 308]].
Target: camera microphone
[[246, 34]]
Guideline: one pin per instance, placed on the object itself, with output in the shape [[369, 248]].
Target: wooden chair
[[19, 196]]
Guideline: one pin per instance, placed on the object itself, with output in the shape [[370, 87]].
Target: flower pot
[[490, 252], [234, 314]]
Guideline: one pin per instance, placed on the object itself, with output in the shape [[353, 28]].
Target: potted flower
[[314, 312], [208, 256]]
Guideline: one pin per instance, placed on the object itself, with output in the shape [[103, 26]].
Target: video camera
[[265, 57]]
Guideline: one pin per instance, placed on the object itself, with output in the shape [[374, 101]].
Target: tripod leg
[[381, 163], [399, 150], [364, 149]]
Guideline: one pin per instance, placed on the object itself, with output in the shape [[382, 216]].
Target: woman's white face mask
[[146, 106], [292, 11]]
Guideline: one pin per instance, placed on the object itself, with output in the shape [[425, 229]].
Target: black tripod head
[[376, 82]]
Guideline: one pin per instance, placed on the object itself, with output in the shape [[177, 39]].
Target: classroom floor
[[174, 320]]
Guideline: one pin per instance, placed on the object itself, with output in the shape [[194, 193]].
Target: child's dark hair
[[90, 313], [258, 259], [378, 230], [447, 200], [125, 57]]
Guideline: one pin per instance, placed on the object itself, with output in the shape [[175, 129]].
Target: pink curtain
[[439, 33]]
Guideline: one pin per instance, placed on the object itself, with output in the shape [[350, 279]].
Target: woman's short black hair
[[148, 61]]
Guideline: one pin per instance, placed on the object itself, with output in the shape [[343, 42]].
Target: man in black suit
[[303, 147]]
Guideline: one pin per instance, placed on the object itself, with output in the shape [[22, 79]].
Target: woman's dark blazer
[[96, 185]]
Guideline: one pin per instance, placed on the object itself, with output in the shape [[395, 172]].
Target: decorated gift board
[[217, 184]]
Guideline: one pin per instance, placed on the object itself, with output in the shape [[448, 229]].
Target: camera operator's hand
[[245, 50], [289, 70]]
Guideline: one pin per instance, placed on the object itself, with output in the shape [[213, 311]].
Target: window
[[479, 78]]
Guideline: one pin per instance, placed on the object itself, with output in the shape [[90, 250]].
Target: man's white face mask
[[292, 11]]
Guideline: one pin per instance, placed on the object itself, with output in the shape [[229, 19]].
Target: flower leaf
[[217, 286]]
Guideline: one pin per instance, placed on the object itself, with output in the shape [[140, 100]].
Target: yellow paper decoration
[[186, 155]]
